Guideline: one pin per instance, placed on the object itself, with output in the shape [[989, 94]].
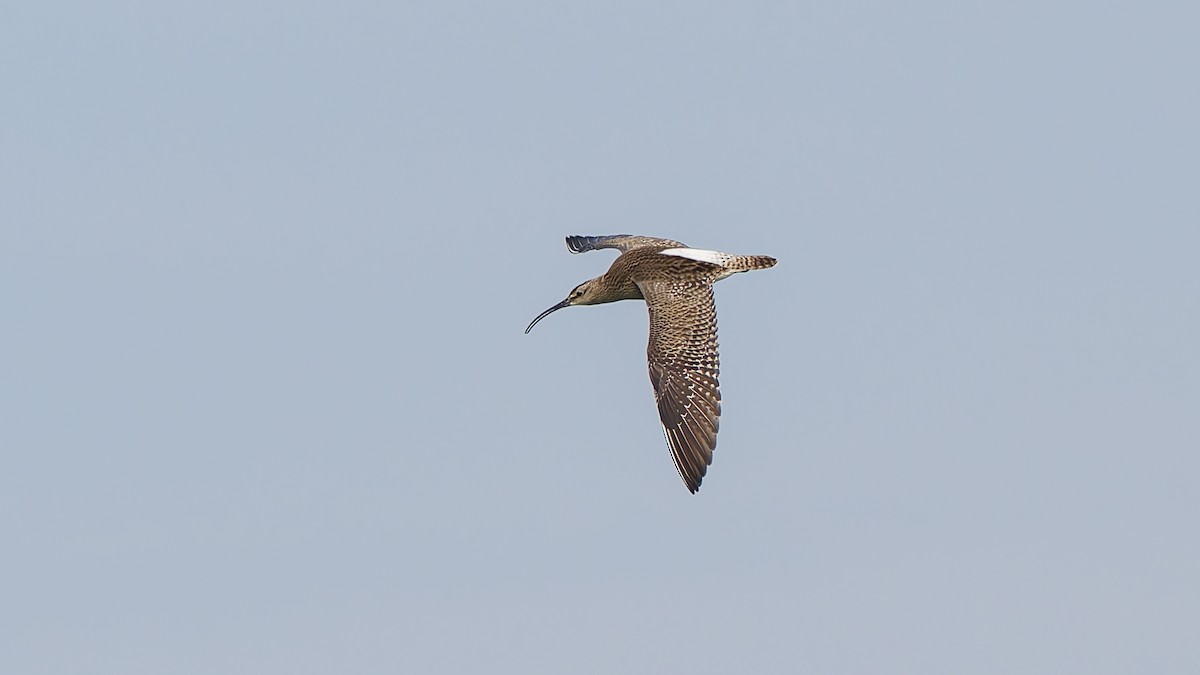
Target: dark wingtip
[[577, 244]]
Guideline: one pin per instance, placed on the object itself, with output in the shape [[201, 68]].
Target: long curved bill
[[564, 303]]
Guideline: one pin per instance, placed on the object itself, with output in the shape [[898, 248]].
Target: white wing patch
[[700, 254]]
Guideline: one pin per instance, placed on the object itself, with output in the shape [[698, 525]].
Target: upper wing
[[684, 366], [621, 242]]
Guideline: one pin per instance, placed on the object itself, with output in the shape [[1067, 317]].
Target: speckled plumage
[[676, 283]]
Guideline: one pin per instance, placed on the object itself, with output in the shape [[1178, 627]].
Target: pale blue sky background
[[267, 406]]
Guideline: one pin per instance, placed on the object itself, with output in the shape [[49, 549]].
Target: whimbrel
[[677, 284]]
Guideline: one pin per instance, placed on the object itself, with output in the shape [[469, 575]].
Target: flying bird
[[677, 284]]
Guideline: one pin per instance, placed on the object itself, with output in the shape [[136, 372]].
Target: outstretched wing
[[621, 242], [684, 366]]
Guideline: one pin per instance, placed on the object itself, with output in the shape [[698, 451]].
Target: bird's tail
[[746, 263], [730, 263]]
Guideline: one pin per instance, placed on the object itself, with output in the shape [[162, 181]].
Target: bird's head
[[587, 293]]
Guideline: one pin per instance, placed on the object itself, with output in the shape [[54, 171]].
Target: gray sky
[[268, 408]]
